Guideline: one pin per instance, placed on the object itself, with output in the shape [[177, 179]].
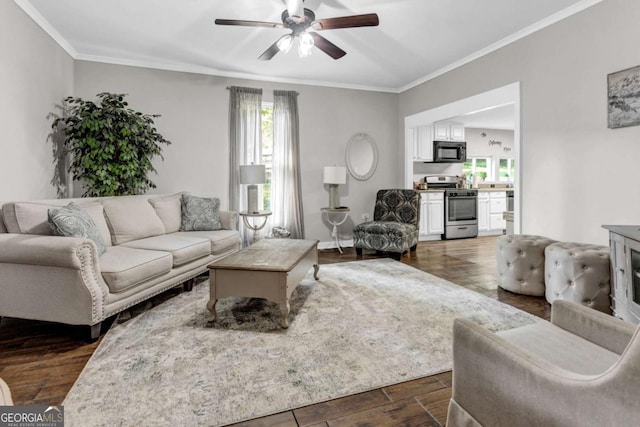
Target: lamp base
[[334, 196], [252, 198]]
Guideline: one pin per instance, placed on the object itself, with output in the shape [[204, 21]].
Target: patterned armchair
[[395, 224]]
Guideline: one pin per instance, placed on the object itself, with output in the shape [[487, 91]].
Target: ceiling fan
[[304, 26]]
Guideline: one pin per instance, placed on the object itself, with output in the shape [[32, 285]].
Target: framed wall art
[[624, 98]]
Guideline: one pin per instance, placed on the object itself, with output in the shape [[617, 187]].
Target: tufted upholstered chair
[[520, 261], [580, 369], [395, 224], [580, 273]]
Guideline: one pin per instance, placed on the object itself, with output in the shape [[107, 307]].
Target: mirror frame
[[348, 154]]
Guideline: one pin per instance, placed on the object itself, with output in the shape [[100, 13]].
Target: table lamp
[[334, 175], [252, 175]]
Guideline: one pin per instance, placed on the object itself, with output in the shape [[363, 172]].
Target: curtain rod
[[275, 90]]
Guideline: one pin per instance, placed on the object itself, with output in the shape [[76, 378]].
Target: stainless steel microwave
[[449, 151]]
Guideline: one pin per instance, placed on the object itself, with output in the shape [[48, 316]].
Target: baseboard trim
[[332, 244]]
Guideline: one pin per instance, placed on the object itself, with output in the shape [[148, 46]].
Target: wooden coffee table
[[270, 269]]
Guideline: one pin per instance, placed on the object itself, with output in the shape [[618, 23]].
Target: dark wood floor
[[41, 361]]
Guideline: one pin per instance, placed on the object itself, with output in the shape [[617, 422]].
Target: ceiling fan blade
[[272, 50], [326, 46], [367, 20], [248, 23]]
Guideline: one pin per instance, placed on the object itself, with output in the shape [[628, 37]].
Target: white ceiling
[[416, 39]]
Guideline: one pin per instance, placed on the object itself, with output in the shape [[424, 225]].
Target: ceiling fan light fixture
[[285, 43], [305, 44]]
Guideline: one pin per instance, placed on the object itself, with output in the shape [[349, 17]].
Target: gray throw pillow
[[200, 213], [72, 221]]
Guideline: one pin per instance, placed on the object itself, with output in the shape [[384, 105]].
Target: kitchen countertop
[[493, 190]]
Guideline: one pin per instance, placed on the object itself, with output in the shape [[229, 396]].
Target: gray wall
[[35, 74], [576, 174], [194, 111]]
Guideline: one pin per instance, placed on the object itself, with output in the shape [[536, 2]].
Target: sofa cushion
[[33, 218], [131, 218], [200, 213], [183, 249], [123, 267], [3, 229], [169, 210], [562, 348], [221, 240], [72, 221]]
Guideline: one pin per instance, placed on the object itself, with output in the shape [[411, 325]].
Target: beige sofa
[[63, 279]]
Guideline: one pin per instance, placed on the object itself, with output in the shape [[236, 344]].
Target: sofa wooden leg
[[188, 285], [94, 331]]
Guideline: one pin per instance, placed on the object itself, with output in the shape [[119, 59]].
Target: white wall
[[35, 74], [478, 145], [194, 111], [577, 173]]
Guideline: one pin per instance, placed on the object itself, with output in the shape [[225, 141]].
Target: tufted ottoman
[[520, 259], [580, 273]]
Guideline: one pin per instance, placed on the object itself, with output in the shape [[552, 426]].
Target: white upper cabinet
[[423, 144], [448, 131]]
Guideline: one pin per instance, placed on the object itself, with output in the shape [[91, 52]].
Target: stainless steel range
[[460, 207]]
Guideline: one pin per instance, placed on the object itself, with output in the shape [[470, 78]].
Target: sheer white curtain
[[245, 146], [286, 189]]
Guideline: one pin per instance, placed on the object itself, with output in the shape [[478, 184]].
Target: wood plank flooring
[[40, 361]]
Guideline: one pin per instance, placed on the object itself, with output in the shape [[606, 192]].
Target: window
[[507, 170], [480, 166], [267, 152]]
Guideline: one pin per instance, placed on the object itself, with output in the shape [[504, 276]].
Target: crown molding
[[185, 68]]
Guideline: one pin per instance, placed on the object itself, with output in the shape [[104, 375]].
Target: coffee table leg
[[211, 306], [284, 309], [316, 267]]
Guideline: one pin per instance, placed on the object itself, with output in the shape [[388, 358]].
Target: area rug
[[361, 326]]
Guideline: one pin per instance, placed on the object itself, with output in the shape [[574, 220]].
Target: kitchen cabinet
[[431, 215], [491, 207], [483, 211], [624, 243], [497, 206], [448, 131], [423, 144]]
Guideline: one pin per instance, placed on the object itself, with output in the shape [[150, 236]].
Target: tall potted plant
[[111, 145]]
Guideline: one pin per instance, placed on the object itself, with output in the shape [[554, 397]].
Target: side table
[[254, 226], [336, 217]]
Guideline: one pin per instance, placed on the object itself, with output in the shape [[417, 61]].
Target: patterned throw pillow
[[200, 213], [72, 221]]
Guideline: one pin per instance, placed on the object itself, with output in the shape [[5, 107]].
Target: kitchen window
[[481, 166], [506, 170]]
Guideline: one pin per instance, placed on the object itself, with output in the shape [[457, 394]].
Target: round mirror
[[362, 156]]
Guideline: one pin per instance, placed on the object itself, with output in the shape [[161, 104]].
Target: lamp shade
[[252, 174], [334, 175]]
